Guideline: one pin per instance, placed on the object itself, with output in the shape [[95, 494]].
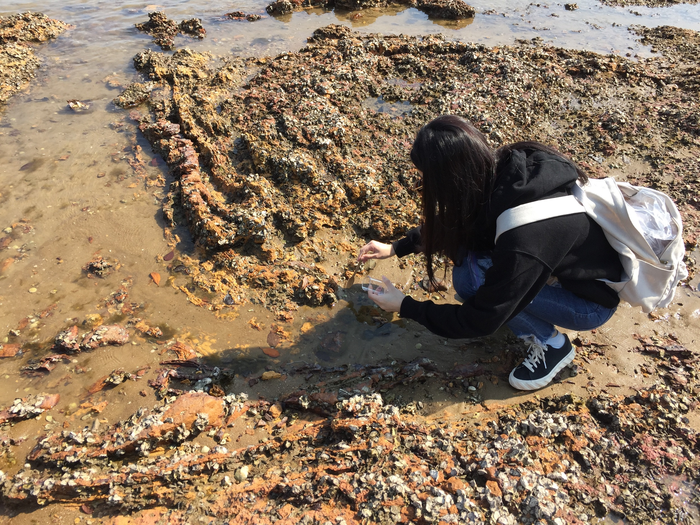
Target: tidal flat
[[184, 336]]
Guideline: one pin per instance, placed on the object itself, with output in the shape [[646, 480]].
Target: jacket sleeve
[[510, 285], [411, 243]]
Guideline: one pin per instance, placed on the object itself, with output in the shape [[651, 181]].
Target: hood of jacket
[[522, 176]]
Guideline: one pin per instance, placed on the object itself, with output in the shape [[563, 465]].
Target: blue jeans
[[553, 306]]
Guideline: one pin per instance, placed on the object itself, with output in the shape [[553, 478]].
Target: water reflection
[[393, 109], [370, 16], [108, 29]]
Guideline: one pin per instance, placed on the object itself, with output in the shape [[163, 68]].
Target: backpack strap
[[536, 211]]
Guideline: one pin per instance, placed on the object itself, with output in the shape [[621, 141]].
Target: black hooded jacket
[[572, 248]]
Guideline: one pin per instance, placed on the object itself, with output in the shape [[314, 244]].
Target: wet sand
[[110, 198]]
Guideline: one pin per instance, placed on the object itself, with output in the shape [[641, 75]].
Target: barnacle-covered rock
[[29, 27], [98, 266], [273, 156], [134, 95], [366, 458], [17, 60], [103, 336], [28, 407], [67, 340], [164, 30]]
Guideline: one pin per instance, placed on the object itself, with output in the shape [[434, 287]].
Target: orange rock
[[98, 385], [6, 264], [9, 350], [49, 401], [156, 278], [186, 409], [271, 352], [574, 444], [494, 488], [423, 496], [285, 511], [275, 410], [182, 350], [454, 484]]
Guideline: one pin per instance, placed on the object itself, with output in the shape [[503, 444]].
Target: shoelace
[[536, 354]]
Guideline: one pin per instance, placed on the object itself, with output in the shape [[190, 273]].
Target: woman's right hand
[[375, 250]]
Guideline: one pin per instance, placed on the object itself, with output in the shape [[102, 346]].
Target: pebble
[[32, 290], [241, 474]]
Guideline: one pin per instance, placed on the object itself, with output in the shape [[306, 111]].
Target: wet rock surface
[[269, 153], [347, 445], [134, 95], [240, 15], [442, 9], [28, 407], [18, 62], [163, 30]]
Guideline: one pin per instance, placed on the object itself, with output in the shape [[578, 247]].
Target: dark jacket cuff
[[409, 244], [403, 247], [409, 308]]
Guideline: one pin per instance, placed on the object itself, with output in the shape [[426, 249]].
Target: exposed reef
[[269, 152], [557, 460], [163, 30], [18, 63]]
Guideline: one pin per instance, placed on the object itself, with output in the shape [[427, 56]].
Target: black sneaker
[[541, 365]]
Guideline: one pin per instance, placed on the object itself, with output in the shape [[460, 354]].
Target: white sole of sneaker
[[543, 382]]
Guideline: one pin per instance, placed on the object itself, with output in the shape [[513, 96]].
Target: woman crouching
[[533, 278]]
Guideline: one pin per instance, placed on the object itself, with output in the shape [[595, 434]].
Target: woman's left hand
[[390, 300]]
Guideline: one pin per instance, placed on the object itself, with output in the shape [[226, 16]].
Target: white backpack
[[641, 224]]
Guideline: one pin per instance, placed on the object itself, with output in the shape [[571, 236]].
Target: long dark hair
[[459, 170]]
